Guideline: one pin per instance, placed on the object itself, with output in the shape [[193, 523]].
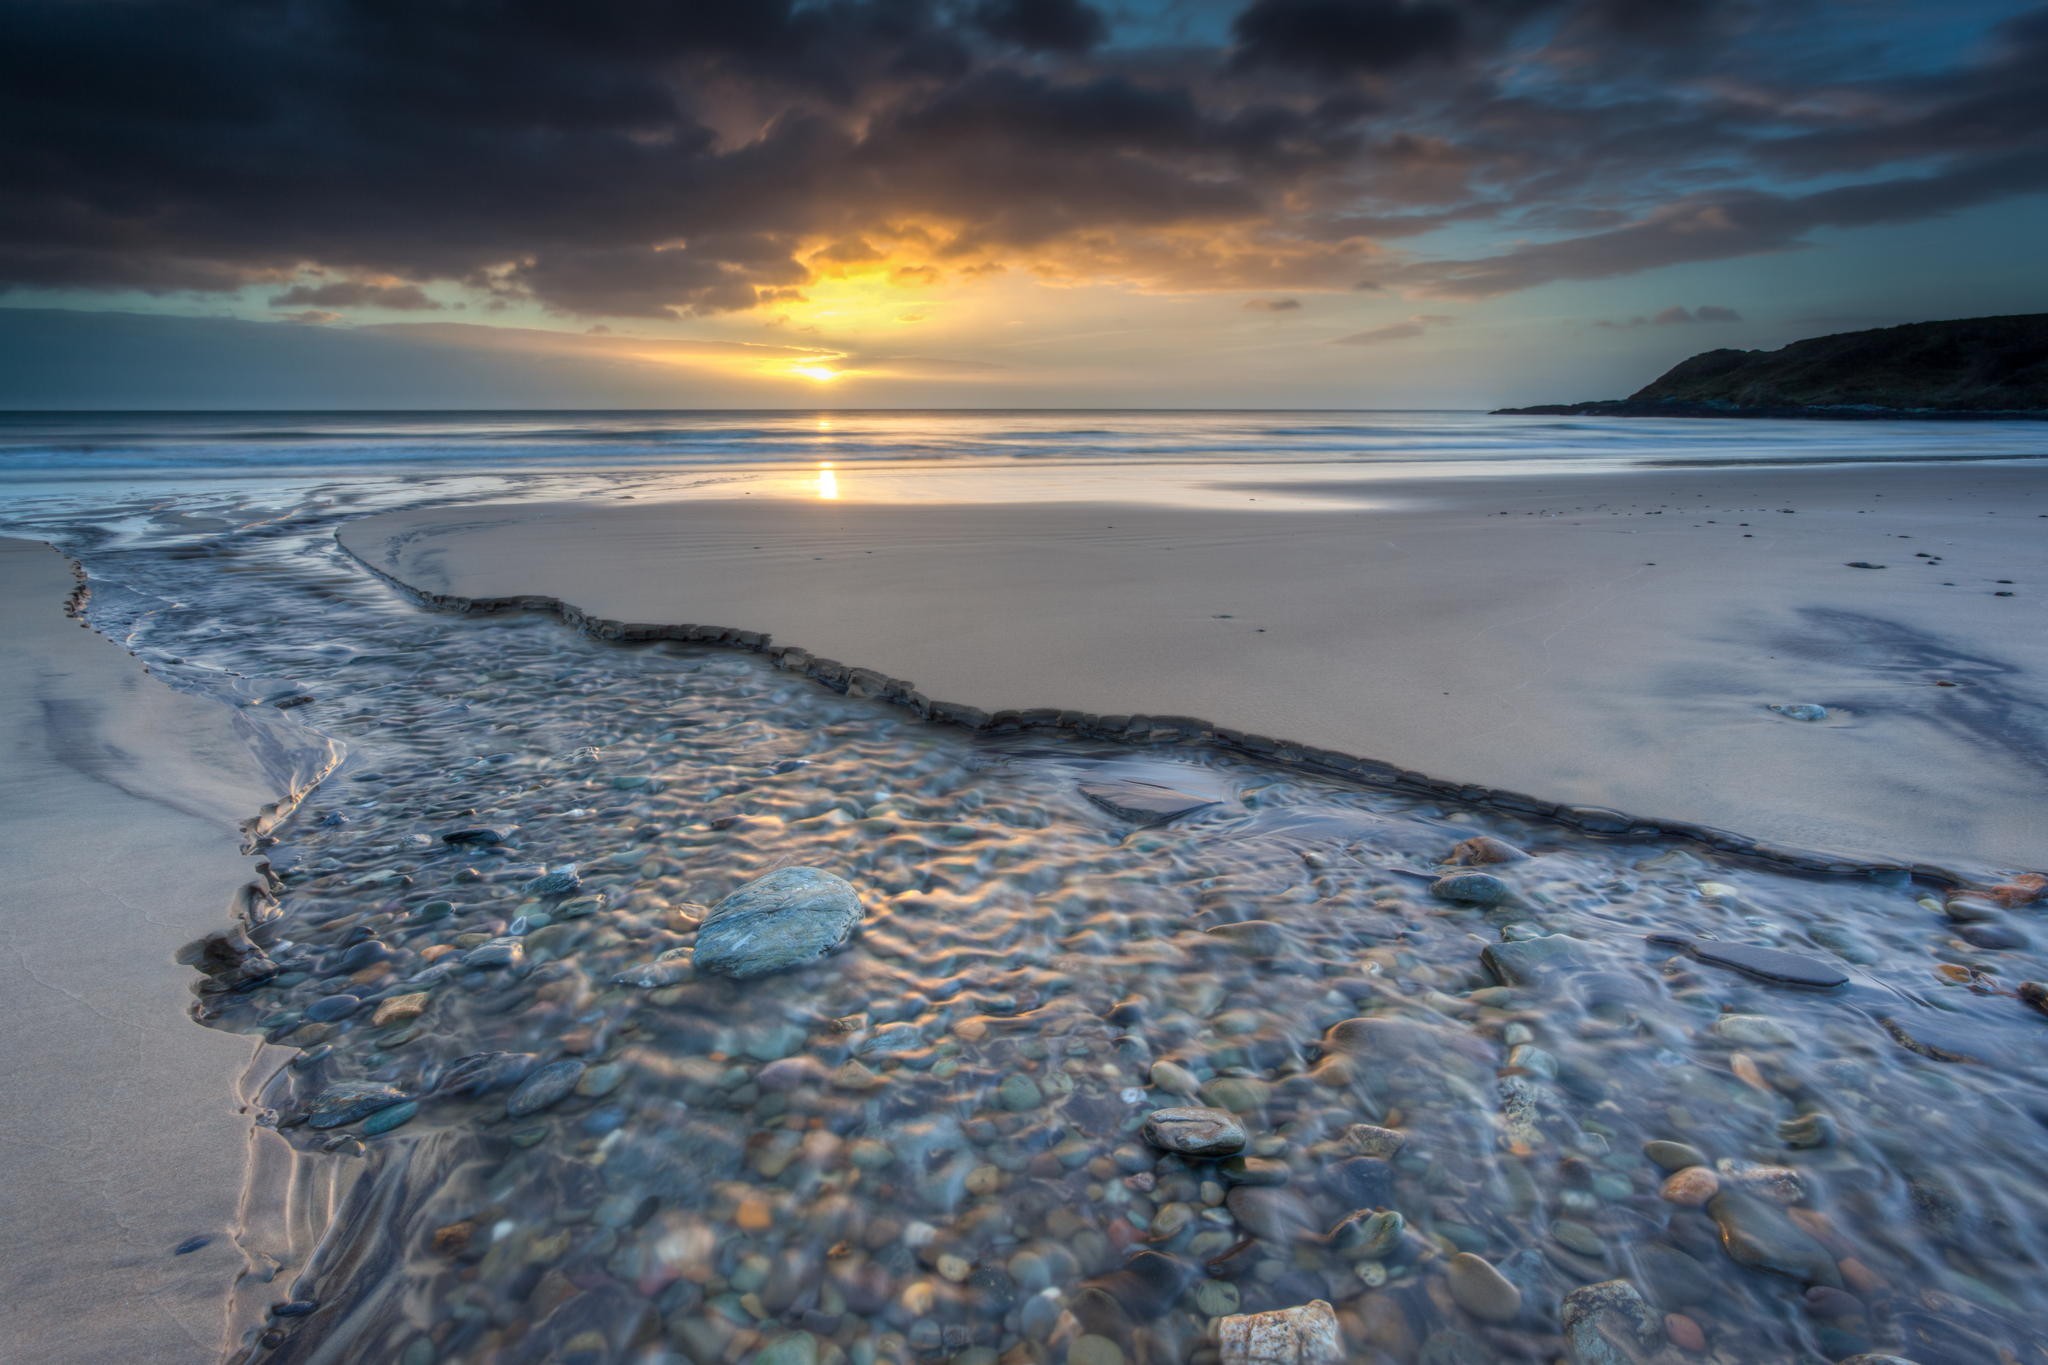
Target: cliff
[[1970, 367]]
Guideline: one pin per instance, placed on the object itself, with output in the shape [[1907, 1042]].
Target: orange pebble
[[1859, 1276], [753, 1215], [1745, 1068], [1691, 1187], [1685, 1334]]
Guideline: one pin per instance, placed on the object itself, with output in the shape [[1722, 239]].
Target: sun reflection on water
[[828, 482]]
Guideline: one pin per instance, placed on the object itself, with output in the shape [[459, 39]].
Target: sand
[[1606, 638], [122, 1133]]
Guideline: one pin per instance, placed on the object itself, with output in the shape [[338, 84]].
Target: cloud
[[1067, 26], [1396, 331], [355, 294], [1678, 314], [1339, 37], [1729, 225], [621, 159], [1271, 305], [312, 317]]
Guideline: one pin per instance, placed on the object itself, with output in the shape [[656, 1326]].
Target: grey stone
[[1141, 802], [791, 916], [1471, 888], [1195, 1131], [547, 1086], [1609, 1324], [1529, 960]]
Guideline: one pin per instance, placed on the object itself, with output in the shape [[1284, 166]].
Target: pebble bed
[[1494, 1111]]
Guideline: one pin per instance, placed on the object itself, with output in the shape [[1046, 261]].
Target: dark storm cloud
[[1042, 25], [1337, 37], [354, 294], [639, 158]]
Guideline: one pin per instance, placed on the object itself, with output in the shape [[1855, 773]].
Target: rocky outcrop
[[1968, 368]]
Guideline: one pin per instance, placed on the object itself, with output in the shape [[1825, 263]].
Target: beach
[[1226, 886], [126, 1140], [1605, 639]]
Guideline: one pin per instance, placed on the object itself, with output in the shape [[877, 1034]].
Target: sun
[[822, 374]]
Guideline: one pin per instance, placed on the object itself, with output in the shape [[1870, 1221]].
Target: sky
[[991, 203]]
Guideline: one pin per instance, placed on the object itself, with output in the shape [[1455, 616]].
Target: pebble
[[329, 1008], [1481, 1290], [785, 919], [400, 1009], [547, 1086], [1094, 1350], [1673, 1156], [1684, 1333], [1306, 1335], [1757, 1234], [563, 881], [347, 1101], [1691, 1187], [1195, 1131], [1753, 1030], [1484, 850], [1471, 888], [397, 1116], [1609, 1324], [1369, 1140], [1767, 964], [1019, 1092], [1800, 710]]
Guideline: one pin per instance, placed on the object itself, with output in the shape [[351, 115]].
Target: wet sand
[[1610, 639], [121, 1131]]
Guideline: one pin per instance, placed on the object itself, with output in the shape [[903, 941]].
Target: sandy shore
[[1602, 638], [121, 1131]]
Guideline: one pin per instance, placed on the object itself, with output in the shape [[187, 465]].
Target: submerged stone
[[1481, 1290], [1195, 1131], [347, 1101], [1766, 964], [1523, 962], [1800, 710], [1307, 1335], [1471, 888], [1143, 803], [1482, 850], [791, 916], [547, 1086], [1609, 1324], [1757, 1234]]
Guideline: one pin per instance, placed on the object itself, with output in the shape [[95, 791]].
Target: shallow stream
[[928, 1146]]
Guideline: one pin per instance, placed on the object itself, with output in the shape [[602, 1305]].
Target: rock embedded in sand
[[479, 836], [1800, 710], [1307, 1335], [791, 916], [1195, 1132], [1471, 888], [1481, 1290]]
